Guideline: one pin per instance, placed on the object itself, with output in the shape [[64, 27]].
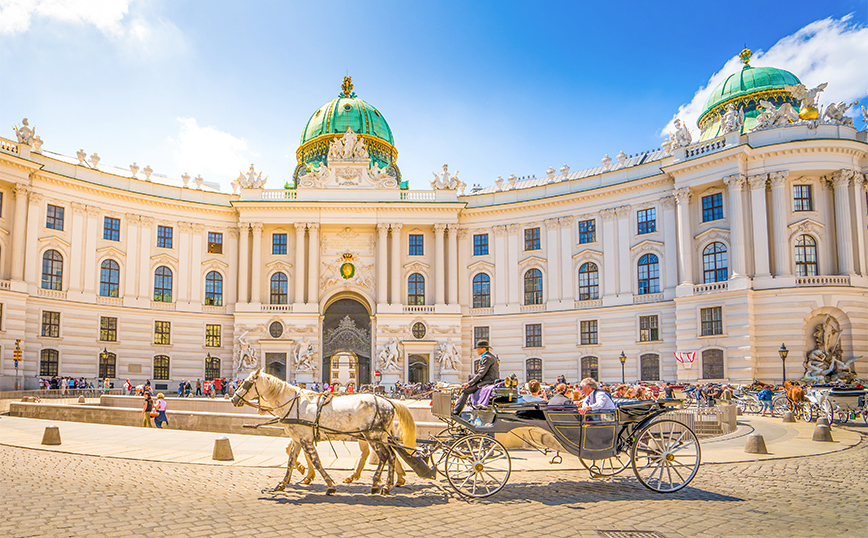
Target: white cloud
[[106, 15], [215, 154], [828, 50]]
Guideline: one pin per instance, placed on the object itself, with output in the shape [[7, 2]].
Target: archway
[[417, 368], [346, 339]]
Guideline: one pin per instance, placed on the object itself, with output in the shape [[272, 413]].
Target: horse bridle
[[246, 386]]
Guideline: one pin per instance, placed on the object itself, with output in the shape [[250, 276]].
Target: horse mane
[[279, 385]]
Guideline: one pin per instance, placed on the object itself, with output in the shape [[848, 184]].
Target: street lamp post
[[17, 356], [783, 352], [103, 359], [623, 359]]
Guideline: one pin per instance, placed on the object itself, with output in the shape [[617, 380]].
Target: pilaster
[[843, 223], [19, 230], [397, 298], [439, 265], [780, 212], [452, 260], [313, 264], [760, 225], [256, 266], [735, 183], [298, 277]]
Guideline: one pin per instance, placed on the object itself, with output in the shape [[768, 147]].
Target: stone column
[[132, 265], [843, 222], [145, 276], [553, 285], [735, 183], [300, 227], [461, 271], [779, 223], [452, 259], [256, 265], [185, 260], [243, 261], [197, 286], [31, 261], [76, 232], [439, 265], [397, 297], [382, 263], [515, 282], [501, 271], [313, 263], [670, 241], [760, 224], [610, 254], [859, 196], [568, 279], [19, 230], [624, 269], [231, 284], [92, 236]]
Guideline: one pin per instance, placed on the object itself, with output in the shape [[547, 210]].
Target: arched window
[[214, 289], [48, 362], [52, 270], [212, 368], [714, 263], [534, 369], [107, 365], [712, 364], [280, 289], [650, 367], [481, 291], [649, 274], [533, 290], [163, 284], [806, 256], [590, 368], [109, 278], [161, 367], [589, 282], [416, 290]]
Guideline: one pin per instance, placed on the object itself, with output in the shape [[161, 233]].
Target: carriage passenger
[[562, 397], [536, 393], [595, 399]]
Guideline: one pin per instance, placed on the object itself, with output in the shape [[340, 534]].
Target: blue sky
[[492, 88]]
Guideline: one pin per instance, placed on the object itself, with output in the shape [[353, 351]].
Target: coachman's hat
[[483, 343]]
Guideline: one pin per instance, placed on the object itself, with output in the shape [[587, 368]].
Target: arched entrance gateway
[[346, 343]]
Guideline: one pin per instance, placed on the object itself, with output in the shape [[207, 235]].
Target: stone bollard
[[823, 421], [738, 412], [51, 436], [226, 396], [222, 450], [81, 400], [822, 433], [789, 417], [755, 444]]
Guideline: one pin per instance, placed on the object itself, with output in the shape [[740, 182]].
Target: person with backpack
[[765, 398]]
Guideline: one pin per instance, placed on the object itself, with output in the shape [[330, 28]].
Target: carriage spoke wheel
[[477, 466], [808, 412], [666, 456], [608, 466]]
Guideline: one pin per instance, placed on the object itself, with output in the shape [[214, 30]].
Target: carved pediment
[[55, 242], [278, 265], [163, 259], [648, 245], [481, 265], [532, 260], [416, 267], [215, 265], [588, 253], [109, 251], [710, 235], [806, 226]]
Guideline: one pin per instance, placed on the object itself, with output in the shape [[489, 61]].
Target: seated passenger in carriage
[[489, 373], [595, 398], [562, 397]]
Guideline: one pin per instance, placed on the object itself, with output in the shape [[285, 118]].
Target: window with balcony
[[214, 289], [714, 265], [52, 270], [649, 274], [109, 278], [416, 290], [279, 289], [806, 256], [163, 284]]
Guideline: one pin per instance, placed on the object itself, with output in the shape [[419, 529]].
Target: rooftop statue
[[834, 113], [808, 109], [447, 181], [679, 138], [864, 115], [251, 180], [771, 116], [24, 133], [732, 120], [349, 147]]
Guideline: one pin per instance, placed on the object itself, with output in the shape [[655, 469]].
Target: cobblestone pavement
[[56, 494]]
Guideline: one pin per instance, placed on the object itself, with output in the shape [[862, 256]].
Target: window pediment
[[535, 260], [589, 253], [416, 267], [648, 245], [273, 266], [55, 242], [481, 265], [163, 259], [109, 251], [806, 225]]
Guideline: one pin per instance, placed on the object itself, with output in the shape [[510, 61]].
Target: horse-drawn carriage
[[664, 453]]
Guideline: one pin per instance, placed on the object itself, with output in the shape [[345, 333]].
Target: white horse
[[307, 414]]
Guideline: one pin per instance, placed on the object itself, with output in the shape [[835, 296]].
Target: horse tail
[[406, 424]]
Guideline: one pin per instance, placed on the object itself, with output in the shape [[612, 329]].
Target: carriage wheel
[[477, 466], [607, 467], [808, 412], [828, 411], [865, 415], [754, 407], [843, 416], [780, 406], [666, 456]]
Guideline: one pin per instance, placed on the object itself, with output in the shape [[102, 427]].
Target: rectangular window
[[278, 244], [111, 229], [588, 231], [533, 335], [213, 335], [712, 207], [51, 324], [802, 199], [163, 332], [712, 321], [589, 332], [531, 239], [164, 236], [479, 333], [108, 329], [647, 219], [648, 331], [54, 217], [417, 245], [480, 245], [215, 243]]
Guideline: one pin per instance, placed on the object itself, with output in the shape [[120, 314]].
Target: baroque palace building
[[692, 262]]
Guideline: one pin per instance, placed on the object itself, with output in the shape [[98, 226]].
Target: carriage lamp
[[623, 359], [783, 352]]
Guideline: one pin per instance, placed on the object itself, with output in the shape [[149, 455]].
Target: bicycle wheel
[[477, 466], [666, 456], [608, 466]]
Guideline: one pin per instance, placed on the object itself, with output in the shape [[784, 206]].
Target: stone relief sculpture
[[24, 133], [772, 116], [826, 362], [304, 356], [251, 180], [387, 359], [244, 357], [447, 181], [349, 147], [448, 356], [732, 120]]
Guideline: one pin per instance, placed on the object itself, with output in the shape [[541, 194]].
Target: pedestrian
[[181, 388], [146, 411], [160, 405], [188, 390], [765, 397], [667, 390], [198, 387], [128, 388]]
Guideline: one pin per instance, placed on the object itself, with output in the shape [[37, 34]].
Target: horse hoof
[[348, 480], [306, 481], [385, 491], [375, 490], [279, 487], [331, 491], [400, 482]]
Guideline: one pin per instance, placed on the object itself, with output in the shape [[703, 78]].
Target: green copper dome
[[744, 90]]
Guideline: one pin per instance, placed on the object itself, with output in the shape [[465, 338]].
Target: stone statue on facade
[[772, 116], [304, 356], [732, 120], [24, 133], [349, 147], [448, 356], [251, 180], [447, 181], [316, 172], [834, 113], [825, 363], [679, 138], [865, 115], [245, 354], [387, 359], [807, 98]]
